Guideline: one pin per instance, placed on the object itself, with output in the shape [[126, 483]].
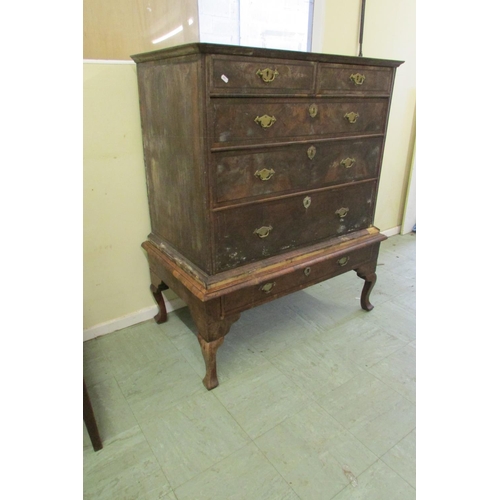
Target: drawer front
[[248, 75], [243, 121], [243, 174], [303, 277], [252, 232], [340, 78]]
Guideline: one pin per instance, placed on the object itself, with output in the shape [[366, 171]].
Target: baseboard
[[129, 319], [392, 232]]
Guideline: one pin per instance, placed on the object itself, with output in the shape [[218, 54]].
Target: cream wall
[[389, 33], [115, 206], [116, 220]]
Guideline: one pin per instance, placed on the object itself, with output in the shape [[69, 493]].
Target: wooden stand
[[215, 302]]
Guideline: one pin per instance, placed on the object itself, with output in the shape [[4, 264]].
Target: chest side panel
[[172, 111]]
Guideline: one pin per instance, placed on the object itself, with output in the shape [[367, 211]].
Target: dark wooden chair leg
[[156, 290], [90, 422]]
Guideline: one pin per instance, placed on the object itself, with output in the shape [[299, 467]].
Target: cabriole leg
[[368, 274], [211, 332], [209, 351], [157, 286], [367, 288]]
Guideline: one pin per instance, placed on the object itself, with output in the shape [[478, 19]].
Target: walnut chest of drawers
[[262, 171]]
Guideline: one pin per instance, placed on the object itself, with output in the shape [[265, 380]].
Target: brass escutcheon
[[311, 152], [265, 121], [343, 261], [347, 162], [263, 232], [267, 287], [313, 110], [307, 201], [342, 212], [268, 75], [264, 174], [358, 79], [307, 271], [351, 117]]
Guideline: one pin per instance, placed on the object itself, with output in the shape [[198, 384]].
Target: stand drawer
[[302, 277]]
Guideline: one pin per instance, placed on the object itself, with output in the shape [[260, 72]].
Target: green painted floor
[[316, 399]]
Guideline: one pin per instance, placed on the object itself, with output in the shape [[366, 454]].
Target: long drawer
[[251, 75], [252, 120], [250, 232], [256, 173], [300, 278]]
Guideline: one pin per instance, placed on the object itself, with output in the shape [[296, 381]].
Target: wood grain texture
[[237, 50], [324, 263], [234, 119], [230, 75], [336, 78], [173, 150], [293, 225], [263, 168], [294, 170]]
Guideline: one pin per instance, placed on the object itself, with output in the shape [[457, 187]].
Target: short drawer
[[264, 172], [304, 276], [248, 233], [241, 121], [249, 75], [343, 78]]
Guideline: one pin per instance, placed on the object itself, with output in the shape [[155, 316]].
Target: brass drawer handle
[[265, 121], [264, 174], [268, 75], [313, 110], [267, 287], [351, 117], [307, 271], [342, 212], [347, 162], [343, 261], [307, 201], [263, 232], [358, 79], [311, 152]]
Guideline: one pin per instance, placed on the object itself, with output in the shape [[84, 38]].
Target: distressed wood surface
[[238, 50], [205, 287], [262, 169], [234, 119], [293, 169], [293, 225]]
